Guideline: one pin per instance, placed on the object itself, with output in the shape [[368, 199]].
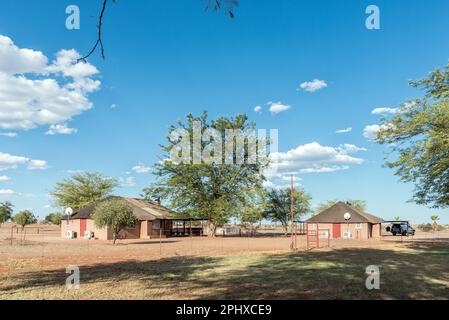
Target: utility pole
[[292, 211]]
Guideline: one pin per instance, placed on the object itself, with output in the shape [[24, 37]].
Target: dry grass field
[[222, 268]]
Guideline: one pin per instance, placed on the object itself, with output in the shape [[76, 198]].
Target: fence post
[[160, 241]]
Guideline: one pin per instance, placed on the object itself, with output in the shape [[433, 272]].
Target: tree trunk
[[285, 225], [114, 238], [212, 229]]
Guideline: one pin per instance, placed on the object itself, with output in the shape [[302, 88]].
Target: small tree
[[54, 218], [114, 214], [24, 218], [278, 206], [397, 218], [435, 223], [5, 212]]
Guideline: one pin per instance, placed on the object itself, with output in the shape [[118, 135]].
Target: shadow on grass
[[418, 272]]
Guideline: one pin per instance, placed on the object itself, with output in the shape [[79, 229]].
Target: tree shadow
[[418, 271], [421, 273]]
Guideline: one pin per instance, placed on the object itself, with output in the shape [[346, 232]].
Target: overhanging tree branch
[[99, 41], [227, 5]]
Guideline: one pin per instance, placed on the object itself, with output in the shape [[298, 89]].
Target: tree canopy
[[6, 211], [419, 136], [83, 189], [278, 205], [24, 218], [115, 214], [214, 191], [54, 218]]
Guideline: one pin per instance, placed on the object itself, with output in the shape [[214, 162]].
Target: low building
[[361, 225], [155, 221]]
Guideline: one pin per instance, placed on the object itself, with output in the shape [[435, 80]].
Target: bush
[[114, 214]]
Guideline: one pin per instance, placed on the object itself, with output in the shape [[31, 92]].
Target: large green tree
[[115, 214], [83, 189], [6, 211], [419, 137], [214, 191], [359, 205], [278, 205]]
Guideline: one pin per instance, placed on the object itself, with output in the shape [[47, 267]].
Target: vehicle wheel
[[404, 233], [394, 233]]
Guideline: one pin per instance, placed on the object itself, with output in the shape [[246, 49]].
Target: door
[[336, 231], [83, 227]]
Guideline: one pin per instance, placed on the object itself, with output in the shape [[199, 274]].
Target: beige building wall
[[69, 225], [358, 231], [377, 231], [143, 230], [100, 234]]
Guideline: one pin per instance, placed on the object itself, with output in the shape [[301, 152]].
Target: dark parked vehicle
[[401, 228]]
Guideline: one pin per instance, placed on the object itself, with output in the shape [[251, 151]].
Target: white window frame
[[359, 226]]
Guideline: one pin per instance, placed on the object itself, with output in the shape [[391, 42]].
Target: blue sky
[[165, 59]]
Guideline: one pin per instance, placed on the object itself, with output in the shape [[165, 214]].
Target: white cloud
[[8, 161], [282, 182], [257, 109], [127, 182], [7, 192], [60, 129], [350, 148], [370, 132], [313, 86], [278, 107], [37, 165], [314, 158], [385, 111], [8, 134], [14, 60], [141, 169], [347, 130], [4, 178], [34, 93], [113, 106]]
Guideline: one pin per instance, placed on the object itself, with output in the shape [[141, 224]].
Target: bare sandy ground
[[47, 251]]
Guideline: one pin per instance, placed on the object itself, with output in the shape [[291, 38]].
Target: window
[[358, 226], [156, 224], [312, 226], [324, 234]]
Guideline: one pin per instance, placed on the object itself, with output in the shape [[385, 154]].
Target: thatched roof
[[335, 214], [143, 209]]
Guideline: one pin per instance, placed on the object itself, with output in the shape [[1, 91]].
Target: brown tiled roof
[[143, 209], [335, 214]]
